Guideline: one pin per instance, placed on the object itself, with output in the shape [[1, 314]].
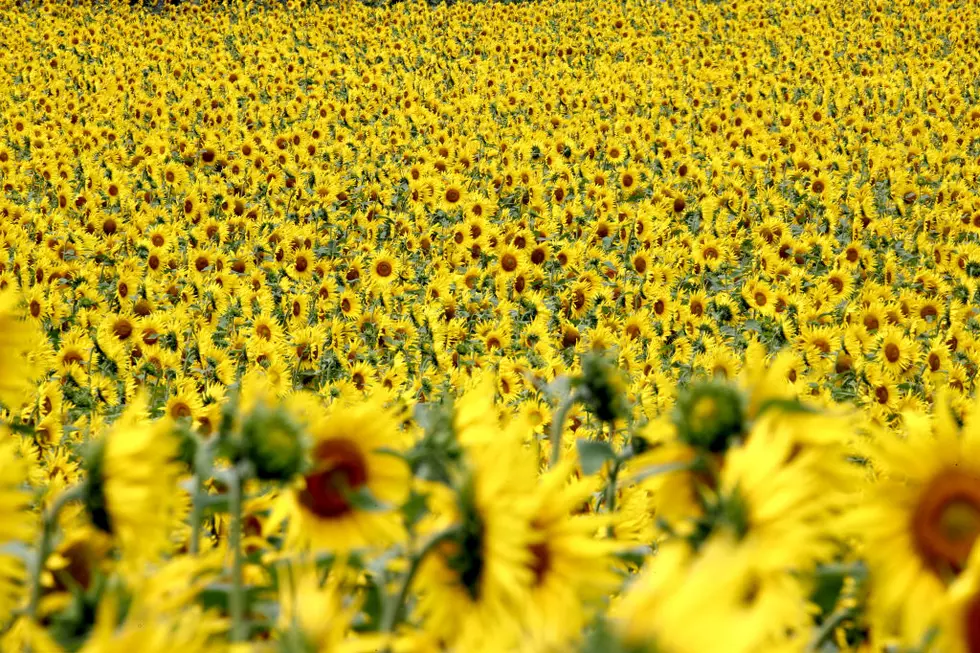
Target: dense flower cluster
[[598, 326]]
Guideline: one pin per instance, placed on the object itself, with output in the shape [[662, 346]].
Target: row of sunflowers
[[569, 326]]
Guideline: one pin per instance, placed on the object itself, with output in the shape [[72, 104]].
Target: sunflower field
[[589, 326]]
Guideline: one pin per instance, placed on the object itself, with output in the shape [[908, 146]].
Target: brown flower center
[[340, 468], [892, 352], [541, 561], [122, 329], [946, 521], [971, 625], [180, 409]]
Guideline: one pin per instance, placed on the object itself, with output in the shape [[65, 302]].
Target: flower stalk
[[195, 517], [558, 425], [394, 612], [236, 599]]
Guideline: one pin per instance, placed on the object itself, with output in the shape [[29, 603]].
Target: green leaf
[[372, 607], [414, 508], [635, 556], [215, 595], [785, 405], [362, 499], [593, 454], [212, 503]]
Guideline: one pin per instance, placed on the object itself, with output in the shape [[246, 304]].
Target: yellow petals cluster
[[538, 326]]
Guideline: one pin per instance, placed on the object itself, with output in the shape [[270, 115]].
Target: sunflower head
[[602, 388], [709, 415], [129, 490], [273, 442], [351, 487]]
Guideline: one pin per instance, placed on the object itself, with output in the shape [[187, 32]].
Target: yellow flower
[[315, 611], [478, 581], [347, 457], [17, 519], [17, 339], [130, 489], [572, 564], [687, 603], [145, 629], [959, 615], [920, 516]]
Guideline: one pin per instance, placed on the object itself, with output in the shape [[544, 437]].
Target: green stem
[[393, 615], [236, 599], [48, 526], [828, 627], [195, 543], [610, 496], [558, 425]]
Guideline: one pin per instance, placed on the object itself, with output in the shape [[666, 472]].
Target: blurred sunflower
[[349, 466]]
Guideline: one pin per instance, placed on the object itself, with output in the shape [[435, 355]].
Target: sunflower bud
[[709, 415], [273, 443], [601, 388]]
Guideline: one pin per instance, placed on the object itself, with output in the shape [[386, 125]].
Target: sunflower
[[509, 259], [479, 579], [920, 515], [75, 562], [873, 317], [349, 304], [959, 615], [896, 352], [17, 339], [346, 457], [17, 519], [840, 282], [452, 196], [572, 568], [937, 357], [314, 614], [131, 486], [191, 630], [629, 181], [759, 296], [301, 265], [615, 152], [783, 491], [185, 402], [881, 390], [668, 605], [672, 498], [384, 268]]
